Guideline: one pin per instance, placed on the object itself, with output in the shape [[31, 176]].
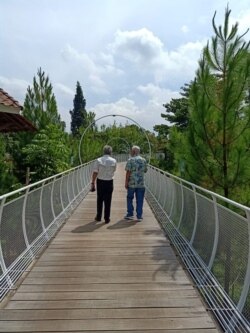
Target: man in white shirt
[[103, 173]]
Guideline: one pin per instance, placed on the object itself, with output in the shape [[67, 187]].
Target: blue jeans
[[139, 197]]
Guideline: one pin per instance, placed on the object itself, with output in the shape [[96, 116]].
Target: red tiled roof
[[13, 122], [10, 118], [7, 100]]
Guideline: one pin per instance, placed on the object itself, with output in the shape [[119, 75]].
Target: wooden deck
[[116, 277]]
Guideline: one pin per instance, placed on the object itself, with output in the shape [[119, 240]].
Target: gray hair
[[107, 150], [136, 150]]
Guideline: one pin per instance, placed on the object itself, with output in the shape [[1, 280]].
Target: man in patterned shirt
[[134, 183], [103, 173]]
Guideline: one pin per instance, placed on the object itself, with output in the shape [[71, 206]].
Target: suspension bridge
[[184, 268]]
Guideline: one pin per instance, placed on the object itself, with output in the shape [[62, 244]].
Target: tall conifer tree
[[79, 113], [219, 130], [40, 104]]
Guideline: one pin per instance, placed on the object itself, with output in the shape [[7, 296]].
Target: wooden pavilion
[[10, 118]]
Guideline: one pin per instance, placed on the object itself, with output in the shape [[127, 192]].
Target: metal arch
[[119, 138], [113, 115]]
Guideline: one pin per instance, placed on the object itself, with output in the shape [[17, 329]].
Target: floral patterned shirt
[[137, 166]]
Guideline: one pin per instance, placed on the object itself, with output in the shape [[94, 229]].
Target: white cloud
[[70, 54], [243, 20], [98, 85], [146, 53], [137, 45], [17, 88], [147, 115], [184, 29], [64, 89], [124, 106], [158, 94]]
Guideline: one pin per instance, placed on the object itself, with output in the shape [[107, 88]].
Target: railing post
[[196, 216], [72, 184], [81, 177], [61, 197], [246, 284], [216, 234], [51, 200], [77, 178], [23, 221], [41, 210], [172, 198], [158, 186], [69, 202], [182, 205], [165, 179], [2, 262]]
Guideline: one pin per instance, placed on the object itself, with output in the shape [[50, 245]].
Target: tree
[[40, 108], [48, 153], [177, 110], [8, 181], [219, 129], [219, 132], [40, 104], [79, 113], [176, 113], [177, 117]]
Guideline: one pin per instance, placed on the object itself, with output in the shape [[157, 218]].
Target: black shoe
[[97, 219], [107, 221]]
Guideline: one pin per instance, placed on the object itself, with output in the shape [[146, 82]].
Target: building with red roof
[[10, 118]]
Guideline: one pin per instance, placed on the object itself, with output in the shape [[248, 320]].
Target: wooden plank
[[107, 262], [102, 287], [103, 313], [95, 268], [107, 324], [139, 274], [194, 330], [106, 304], [111, 279], [112, 295]]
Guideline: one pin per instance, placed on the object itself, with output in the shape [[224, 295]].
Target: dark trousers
[[104, 195]]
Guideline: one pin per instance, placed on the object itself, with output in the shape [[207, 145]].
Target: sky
[[130, 56]]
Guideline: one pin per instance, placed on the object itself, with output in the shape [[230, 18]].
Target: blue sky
[[130, 56]]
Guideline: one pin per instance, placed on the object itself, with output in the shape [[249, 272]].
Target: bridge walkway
[[118, 277]]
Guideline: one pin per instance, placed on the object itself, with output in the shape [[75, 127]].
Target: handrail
[[25, 229], [234, 203], [213, 241]]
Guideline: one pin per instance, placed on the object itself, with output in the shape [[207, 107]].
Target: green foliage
[[8, 181], [177, 117], [177, 112], [79, 113], [48, 153], [121, 138], [40, 104], [219, 132]]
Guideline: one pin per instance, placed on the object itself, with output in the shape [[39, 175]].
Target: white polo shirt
[[105, 166]]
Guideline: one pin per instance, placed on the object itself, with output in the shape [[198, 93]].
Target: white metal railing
[[212, 235], [30, 216]]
